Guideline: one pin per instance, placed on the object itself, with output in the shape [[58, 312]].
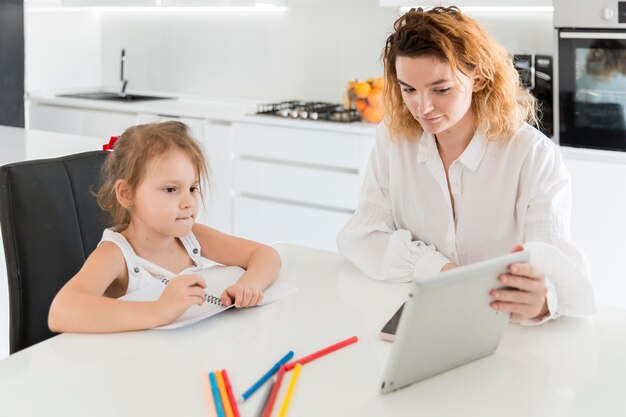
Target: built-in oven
[[590, 74]]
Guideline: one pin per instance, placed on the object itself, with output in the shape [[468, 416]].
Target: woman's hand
[[525, 293], [179, 294], [242, 295]]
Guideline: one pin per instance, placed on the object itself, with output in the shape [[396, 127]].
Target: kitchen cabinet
[[294, 184], [79, 121]]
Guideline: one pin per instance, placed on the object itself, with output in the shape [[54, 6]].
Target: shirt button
[[195, 250], [136, 270]]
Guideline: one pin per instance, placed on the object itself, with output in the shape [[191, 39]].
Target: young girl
[[458, 175], [151, 189]]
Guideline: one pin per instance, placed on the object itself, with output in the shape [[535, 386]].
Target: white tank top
[[142, 272]]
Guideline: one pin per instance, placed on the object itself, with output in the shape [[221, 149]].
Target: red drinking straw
[[322, 352], [274, 393]]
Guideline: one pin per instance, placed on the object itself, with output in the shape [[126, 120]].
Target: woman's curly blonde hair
[[132, 153], [501, 105]]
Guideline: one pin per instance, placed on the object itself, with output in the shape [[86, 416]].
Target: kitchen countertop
[[236, 110], [17, 144], [202, 107], [211, 108]]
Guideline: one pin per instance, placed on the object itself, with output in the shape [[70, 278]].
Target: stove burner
[[309, 110]]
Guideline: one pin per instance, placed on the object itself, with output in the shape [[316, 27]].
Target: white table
[[569, 367]]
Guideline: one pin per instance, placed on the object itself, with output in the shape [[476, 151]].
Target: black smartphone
[[388, 331]]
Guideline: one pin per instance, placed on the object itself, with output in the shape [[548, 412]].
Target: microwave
[[535, 73]]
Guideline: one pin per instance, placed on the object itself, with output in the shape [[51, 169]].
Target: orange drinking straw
[[228, 410]]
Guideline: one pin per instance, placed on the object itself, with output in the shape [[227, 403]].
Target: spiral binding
[[213, 299]]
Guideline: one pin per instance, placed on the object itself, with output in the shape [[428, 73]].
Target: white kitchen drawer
[[269, 222], [326, 188], [317, 147]]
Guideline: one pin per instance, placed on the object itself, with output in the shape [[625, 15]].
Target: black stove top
[[309, 110]]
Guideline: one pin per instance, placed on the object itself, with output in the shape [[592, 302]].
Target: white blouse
[[504, 193]]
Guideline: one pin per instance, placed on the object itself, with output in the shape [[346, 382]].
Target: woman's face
[[437, 97]]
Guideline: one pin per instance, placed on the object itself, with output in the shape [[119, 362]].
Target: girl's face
[[438, 98], [166, 200]]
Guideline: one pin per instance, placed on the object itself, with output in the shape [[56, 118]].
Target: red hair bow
[[109, 146]]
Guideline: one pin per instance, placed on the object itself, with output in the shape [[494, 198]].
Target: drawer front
[[269, 222], [325, 188], [307, 146]]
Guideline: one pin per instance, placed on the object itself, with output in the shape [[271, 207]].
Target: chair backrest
[[50, 223]]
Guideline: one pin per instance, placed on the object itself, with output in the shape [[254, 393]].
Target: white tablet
[[447, 322]]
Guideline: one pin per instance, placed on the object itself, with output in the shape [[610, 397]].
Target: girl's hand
[[243, 295], [525, 295], [180, 293]]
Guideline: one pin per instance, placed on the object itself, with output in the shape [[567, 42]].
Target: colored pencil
[[292, 385], [229, 391], [216, 395], [321, 352], [274, 393], [206, 383], [265, 377], [228, 410]]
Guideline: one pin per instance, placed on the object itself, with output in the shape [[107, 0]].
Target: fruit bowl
[[366, 97]]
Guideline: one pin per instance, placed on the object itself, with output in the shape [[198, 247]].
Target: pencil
[[321, 352], [265, 377], [292, 385], [216, 395], [274, 393], [206, 383], [229, 391], [266, 398], [228, 410]]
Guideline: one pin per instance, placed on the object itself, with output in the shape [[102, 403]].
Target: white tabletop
[[569, 367]]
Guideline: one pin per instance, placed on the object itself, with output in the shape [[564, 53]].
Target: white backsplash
[[308, 52]]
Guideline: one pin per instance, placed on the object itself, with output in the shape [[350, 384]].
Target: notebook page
[[217, 279]]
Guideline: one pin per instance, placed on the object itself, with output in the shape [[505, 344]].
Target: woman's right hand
[[179, 294]]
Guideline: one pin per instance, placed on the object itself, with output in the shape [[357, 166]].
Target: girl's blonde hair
[[134, 149], [501, 105]]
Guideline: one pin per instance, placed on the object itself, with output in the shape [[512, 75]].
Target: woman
[[458, 175]]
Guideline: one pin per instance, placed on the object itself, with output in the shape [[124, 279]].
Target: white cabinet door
[[87, 122], [269, 222], [295, 184], [599, 223], [218, 144]]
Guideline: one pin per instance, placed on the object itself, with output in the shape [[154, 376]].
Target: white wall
[[62, 48], [309, 52]]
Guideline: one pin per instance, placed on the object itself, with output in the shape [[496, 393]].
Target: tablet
[[447, 322]]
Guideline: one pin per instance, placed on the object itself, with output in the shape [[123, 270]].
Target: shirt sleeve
[[547, 236], [371, 239]]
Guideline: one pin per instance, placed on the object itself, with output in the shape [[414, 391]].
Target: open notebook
[[217, 279]]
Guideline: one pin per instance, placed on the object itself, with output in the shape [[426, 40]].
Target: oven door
[[592, 89]]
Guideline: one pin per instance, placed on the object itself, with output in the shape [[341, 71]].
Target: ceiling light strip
[[496, 9]]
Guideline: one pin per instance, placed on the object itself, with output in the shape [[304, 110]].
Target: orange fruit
[[378, 83], [375, 98], [362, 89], [372, 114], [360, 104]]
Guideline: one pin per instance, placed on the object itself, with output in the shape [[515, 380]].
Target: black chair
[[50, 223]]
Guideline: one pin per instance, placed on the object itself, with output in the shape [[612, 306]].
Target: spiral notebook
[[217, 279]]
